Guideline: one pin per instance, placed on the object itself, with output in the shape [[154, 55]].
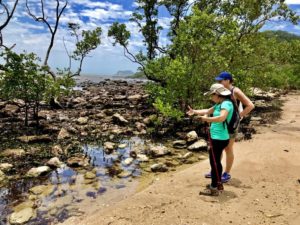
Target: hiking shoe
[[207, 175], [225, 177], [210, 191]]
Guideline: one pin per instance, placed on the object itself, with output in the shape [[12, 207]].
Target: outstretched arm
[[199, 112]]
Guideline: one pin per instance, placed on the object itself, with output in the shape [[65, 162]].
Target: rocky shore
[[105, 114]]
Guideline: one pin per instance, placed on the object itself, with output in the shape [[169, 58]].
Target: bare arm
[[221, 118], [200, 112], [249, 106]]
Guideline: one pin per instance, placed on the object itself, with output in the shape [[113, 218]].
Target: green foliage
[[167, 109], [90, 41], [85, 43], [119, 33], [222, 36], [61, 86], [23, 78]]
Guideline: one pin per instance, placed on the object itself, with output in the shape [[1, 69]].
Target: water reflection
[[65, 187]]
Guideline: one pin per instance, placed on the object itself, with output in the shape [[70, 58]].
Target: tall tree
[[85, 43], [8, 14], [43, 18]]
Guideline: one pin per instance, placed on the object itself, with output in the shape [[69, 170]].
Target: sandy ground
[[264, 188]]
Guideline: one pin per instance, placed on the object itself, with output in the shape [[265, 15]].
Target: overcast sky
[[106, 60]]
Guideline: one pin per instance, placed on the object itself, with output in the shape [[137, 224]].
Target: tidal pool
[[70, 191]]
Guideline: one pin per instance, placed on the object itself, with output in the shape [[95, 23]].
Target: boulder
[[10, 110], [159, 167], [188, 155], [57, 150], [117, 118], [124, 174], [35, 139], [54, 162], [198, 145], [21, 216], [42, 190], [191, 136], [89, 175], [128, 161], [109, 146], [38, 171], [63, 134], [82, 120], [77, 161], [133, 98], [121, 146], [179, 144], [142, 158], [17, 152], [158, 151], [6, 166]]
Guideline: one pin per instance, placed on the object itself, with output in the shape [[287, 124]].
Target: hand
[[190, 111], [202, 118]]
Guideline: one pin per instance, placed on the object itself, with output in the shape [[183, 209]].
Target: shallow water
[[69, 193]]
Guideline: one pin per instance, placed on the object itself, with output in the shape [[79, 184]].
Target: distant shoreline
[[100, 78]]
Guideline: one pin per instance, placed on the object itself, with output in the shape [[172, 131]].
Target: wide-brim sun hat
[[218, 89]]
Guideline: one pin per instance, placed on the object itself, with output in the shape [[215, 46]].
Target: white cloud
[[292, 2]]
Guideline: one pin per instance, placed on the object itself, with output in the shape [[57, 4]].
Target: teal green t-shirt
[[217, 130]]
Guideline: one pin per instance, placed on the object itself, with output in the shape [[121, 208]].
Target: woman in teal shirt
[[221, 111]]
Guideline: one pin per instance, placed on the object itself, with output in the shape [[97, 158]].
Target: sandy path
[[264, 188]]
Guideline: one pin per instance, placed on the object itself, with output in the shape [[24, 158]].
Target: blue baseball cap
[[224, 76]]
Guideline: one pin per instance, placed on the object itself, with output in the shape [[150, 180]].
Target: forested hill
[[281, 35]]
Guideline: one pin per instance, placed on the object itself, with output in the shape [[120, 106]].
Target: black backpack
[[234, 122]]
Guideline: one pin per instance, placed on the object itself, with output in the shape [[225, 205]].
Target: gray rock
[[198, 145], [124, 174], [82, 120], [35, 139], [89, 175], [179, 144], [133, 98], [57, 150], [22, 216], [2, 178], [109, 145], [191, 136], [38, 171], [79, 100], [62, 117], [6, 166], [43, 190], [128, 161], [159, 167], [63, 134], [158, 151], [117, 118], [54, 162], [17, 152], [188, 155], [142, 158], [10, 110], [122, 145], [77, 161]]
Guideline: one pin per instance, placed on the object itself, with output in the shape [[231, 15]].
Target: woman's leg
[[229, 155], [215, 160]]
